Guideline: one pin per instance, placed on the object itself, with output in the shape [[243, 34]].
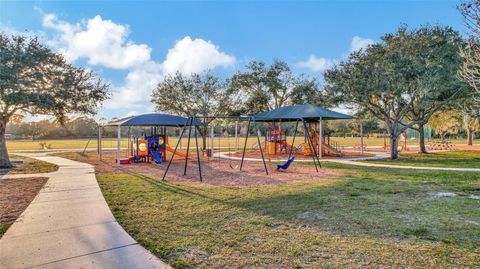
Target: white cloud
[[319, 64], [316, 64], [360, 43], [191, 56], [137, 87], [102, 42]]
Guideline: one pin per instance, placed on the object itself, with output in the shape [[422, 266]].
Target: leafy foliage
[[194, 95], [402, 80], [36, 80], [264, 88], [446, 122]]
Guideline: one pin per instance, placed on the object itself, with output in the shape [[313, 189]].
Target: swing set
[[309, 116]]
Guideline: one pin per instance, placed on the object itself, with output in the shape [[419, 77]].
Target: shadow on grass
[[377, 204]]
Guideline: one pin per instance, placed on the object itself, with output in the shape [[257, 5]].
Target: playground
[[269, 133], [269, 148]]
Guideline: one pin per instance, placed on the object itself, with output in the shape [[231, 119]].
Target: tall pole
[[198, 153], [128, 140], [320, 138], [175, 150], [212, 140], [245, 144], [260, 147], [119, 137], [99, 142], [293, 142], [188, 146], [361, 136], [236, 135]]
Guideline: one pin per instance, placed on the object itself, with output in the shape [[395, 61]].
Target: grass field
[[222, 142], [466, 159], [29, 166], [365, 217]]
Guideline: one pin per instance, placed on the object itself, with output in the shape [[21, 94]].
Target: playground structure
[[276, 142], [146, 148], [143, 147]]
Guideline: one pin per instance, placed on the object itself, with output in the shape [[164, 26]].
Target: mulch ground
[[218, 172], [298, 156], [16, 194]]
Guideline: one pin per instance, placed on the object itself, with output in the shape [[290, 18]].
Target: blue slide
[[157, 156]]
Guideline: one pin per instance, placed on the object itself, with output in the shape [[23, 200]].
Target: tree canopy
[[262, 88], [35, 80], [403, 80], [193, 95]]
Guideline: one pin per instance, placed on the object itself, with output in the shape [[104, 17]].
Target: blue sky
[[134, 44]]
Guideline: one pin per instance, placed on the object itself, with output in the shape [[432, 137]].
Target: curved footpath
[[355, 161], [69, 225]]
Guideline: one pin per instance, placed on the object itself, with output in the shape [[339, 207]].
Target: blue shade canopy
[[306, 112], [153, 119]]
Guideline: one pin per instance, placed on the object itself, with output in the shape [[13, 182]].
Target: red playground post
[[385, 140]]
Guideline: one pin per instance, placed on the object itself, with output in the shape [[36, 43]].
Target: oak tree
[[35, 80]]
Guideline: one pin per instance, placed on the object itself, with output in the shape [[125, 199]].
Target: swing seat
[[286, 165]]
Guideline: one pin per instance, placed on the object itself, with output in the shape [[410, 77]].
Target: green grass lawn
[[222, 141], [29, 166], [366, 217], [468, 159], [3, 228]]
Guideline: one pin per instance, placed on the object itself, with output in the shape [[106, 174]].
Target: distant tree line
[[81, 127]]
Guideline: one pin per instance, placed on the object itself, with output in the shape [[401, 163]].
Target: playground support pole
[[128, 140], [212, 140], [245, 145], [198, 153], [236, 136], [260, 147], [293, 142], [119, 137], [361, 136], [99, 143], [320, 137], [385, 140], [188, 146], [175, 150]]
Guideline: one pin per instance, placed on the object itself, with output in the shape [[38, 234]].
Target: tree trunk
[[203, 133], [393, 146], [421, 140], [469, 137], [4, 159]]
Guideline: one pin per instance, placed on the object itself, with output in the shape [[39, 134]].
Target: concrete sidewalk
[[69, 225], [434, 168]]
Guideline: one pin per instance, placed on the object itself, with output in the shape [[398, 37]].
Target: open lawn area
[[61, 144], [362, 217], [461, 159], [29, 166], [222, 142]]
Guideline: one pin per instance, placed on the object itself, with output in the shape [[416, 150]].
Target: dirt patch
[[217, 172], [16, 195]]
